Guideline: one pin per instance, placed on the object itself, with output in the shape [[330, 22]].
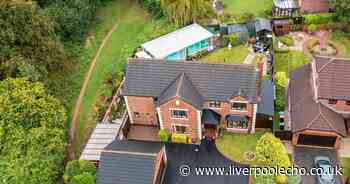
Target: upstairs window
[[347, 102], [239, 106], [214, 104], [332, 101], [178, 114], [136, 114]]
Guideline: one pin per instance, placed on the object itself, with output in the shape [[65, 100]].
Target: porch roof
[[210, 117], [234, 117]]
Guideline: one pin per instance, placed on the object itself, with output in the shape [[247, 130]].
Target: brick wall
[[146, 108], [225, 109], [191, 122], [314, 6]]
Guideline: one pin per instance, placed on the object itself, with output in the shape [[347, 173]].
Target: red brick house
[[314, 6], [318, 104], [189, 98]]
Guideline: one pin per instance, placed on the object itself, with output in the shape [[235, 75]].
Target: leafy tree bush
[[28, 43], [271, 152], [319, 18], [184, 12], [233, 38], [78, 171], [281, 179], [32, 133], [281, 78], [163, 135], [153, 6], [342, 7], [287, 40], [312, 28]]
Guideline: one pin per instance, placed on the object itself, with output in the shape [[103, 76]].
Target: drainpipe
[[255, 107], [199, 113], [160, 118]]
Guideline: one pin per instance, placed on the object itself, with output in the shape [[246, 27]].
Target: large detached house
[[191, 99], [179, 45], [319, 102]]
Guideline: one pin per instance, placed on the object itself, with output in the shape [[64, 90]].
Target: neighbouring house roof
[[266, 105], [203, 155], [305, 112], [210, 117], [333, 78], [213, 81], [285, 4], [183, 88], [237, 28], [102, 135], [126, 162], [175, 41], [263, 24]]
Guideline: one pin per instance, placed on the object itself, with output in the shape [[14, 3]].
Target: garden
[[239, 8], [259, 149], [234, 55]]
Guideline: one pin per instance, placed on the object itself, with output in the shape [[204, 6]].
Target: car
[[327, 175]]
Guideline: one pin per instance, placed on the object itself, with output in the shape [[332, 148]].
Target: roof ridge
[[180, 84], [329, 123]]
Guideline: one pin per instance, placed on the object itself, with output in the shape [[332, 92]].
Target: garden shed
[[241, 30]]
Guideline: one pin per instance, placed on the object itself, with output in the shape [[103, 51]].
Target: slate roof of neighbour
[[182, 87], [206, 156], [333, 78], [213, 81], [126, 162], [306, 113], [237, 28], [102, 135], [266, 105], [263, 24], [285, 4], [210, 117], [175, 41]]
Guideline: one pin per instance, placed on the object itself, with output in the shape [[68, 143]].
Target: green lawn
[[239, 7], [236, 55], [135, 27], [286, 62], [234, 145], [345, 164], [342, 38]]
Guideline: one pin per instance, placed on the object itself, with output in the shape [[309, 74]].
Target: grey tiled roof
[[182, 87], [126, 162], [213, 81], [263, 24], [210, 117], [266, 105], [333, 78], [305, 112]]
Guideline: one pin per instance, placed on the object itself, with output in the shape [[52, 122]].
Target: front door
[[210, 131]]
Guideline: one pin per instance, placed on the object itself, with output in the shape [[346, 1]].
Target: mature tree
[[342, 8], [28, 43], [183, 12], [32, 135], [79, 171]]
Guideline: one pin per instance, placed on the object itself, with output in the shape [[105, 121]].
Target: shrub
[[312, 28], [85, 178], [281, 179], [179, 138], [271, 152], [319, 18], [163, 135], [294, 179], [281, 78], [78, 167], [233, 38], [287, 40]]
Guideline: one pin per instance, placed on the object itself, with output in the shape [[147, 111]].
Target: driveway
[[303, 157]]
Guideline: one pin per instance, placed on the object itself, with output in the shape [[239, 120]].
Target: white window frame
[[187, 132], [176, 109], [214, 101], [242, 102]]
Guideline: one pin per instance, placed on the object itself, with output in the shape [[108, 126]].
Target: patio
[[140, 132]]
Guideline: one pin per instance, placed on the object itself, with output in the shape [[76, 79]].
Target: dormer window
[[332, 101], [239, 106]]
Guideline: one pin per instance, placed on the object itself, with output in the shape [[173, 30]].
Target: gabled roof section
[[286, 4], [183, 88], [333, 77], [305, 112], [212, 81], [126, 162], [175, 41], [263, 24]]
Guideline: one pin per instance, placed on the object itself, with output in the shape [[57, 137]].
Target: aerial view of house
[[175, 92]]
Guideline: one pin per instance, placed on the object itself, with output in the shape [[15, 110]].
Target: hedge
[[320, 18], [179, 138], [286, 40]]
